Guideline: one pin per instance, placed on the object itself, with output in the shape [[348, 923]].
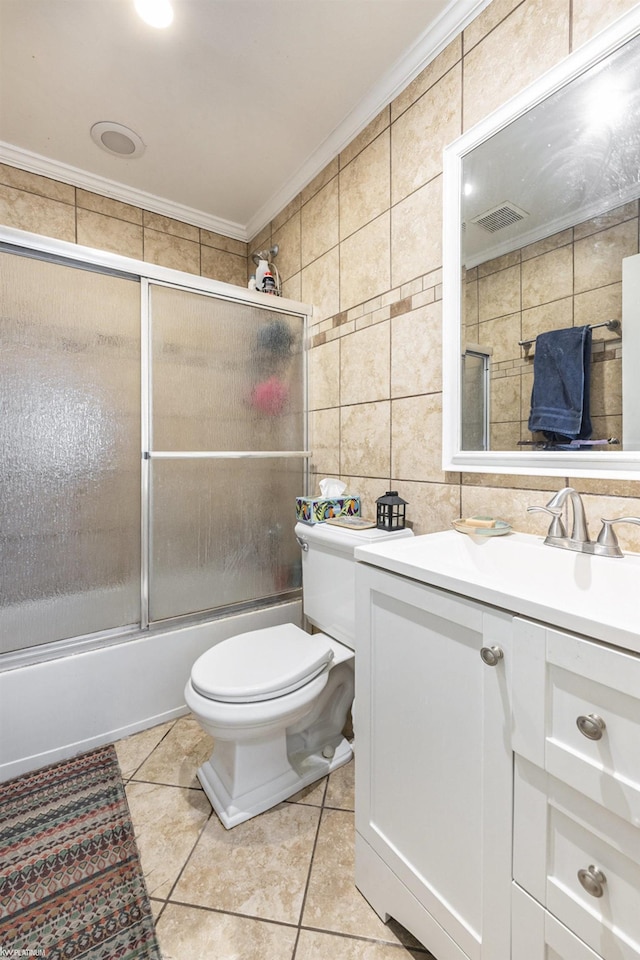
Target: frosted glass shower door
[[70, 445], [226, 452]]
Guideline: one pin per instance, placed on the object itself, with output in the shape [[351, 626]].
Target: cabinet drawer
[[560, 835], [537, 935], [583, 723]]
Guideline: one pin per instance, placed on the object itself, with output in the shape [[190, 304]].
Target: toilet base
[[301, 773]]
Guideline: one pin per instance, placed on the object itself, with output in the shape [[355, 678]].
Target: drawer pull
[[491, 656], [593, 880], [592, 726]]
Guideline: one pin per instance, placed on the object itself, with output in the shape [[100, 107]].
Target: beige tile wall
[[39, 205], [569, 279], [369, 258], [362, 242]]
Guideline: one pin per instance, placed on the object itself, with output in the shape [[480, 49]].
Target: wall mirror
[[541, 215]]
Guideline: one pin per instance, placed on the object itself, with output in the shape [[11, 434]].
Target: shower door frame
[[149, 455], [148, 275]]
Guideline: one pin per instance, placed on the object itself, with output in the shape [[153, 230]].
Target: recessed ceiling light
[[117, 140], [157, 13]]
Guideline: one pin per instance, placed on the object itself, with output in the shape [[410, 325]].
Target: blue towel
[[561, 375]]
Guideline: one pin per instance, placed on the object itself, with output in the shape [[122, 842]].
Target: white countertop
[[598, 597]]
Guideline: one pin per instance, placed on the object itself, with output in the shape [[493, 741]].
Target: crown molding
[[45, 167], [454, 18]]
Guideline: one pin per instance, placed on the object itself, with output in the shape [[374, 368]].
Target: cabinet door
[[433, 755]]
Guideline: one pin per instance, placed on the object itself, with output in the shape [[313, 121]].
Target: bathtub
[[56, 709]]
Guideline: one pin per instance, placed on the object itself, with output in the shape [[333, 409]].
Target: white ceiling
[[239, 102]]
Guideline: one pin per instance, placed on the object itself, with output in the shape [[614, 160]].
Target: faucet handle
[[607, 536], [556, 527]]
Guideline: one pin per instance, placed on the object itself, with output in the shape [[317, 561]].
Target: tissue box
[[319, 509]]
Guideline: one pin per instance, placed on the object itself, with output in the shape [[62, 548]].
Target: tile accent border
[[394, 303]]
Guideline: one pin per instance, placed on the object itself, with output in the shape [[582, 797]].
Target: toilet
[[276, 700]]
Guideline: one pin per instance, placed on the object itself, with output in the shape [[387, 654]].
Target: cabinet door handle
[[593, 880], [491, 656], [592, 726]]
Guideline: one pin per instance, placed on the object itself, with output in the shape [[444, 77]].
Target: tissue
[[332, 502], [330, 487]]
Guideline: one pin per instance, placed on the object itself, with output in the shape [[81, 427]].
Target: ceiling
[[239, 102]]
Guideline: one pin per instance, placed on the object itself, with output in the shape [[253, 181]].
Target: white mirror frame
[[612, 465]]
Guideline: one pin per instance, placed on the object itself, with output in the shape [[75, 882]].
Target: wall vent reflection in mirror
[[499, 217]]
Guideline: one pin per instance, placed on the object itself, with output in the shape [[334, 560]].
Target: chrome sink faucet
[[579, 530], [607, 543]]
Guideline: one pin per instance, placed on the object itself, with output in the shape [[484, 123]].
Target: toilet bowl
[[276, 700], [283, 729]]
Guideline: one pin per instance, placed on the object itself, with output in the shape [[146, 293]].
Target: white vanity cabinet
[[497, 799], [434, 764]]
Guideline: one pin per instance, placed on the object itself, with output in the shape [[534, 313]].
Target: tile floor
[[278, 887]]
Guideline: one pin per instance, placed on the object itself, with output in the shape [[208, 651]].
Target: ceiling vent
[[499, 217]]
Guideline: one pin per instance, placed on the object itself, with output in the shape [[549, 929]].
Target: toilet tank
[[328, 574]]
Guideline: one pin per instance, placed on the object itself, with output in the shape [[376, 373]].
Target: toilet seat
[[261, 664]]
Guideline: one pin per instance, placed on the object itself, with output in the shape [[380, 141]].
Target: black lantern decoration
[[390, 511]]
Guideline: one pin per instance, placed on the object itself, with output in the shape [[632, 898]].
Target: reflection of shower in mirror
[[475, 397]]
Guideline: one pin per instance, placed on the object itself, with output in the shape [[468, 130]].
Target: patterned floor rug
[[71, 885]]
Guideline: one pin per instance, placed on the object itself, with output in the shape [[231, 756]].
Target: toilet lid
[[261, 665]]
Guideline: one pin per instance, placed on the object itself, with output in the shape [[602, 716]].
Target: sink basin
[[595, 596]]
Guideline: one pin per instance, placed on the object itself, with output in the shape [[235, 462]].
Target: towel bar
[[551, 444], [609, 324]]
